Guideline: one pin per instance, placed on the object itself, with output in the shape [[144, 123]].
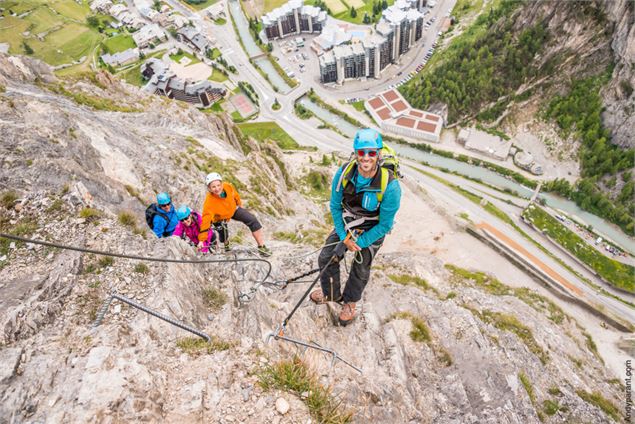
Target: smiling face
[[215, 187], [367, 161]]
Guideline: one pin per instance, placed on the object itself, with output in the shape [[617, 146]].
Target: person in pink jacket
[[189, 226]]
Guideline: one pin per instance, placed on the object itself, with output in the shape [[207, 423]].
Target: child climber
[[189, 228]]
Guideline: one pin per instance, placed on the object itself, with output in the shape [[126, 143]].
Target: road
[[302, 131]]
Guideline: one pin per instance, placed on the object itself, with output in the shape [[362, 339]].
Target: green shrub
[[295, 376], [106, 261], [601, 402], [141, 268], [195, 346], [214, 298], [8, 199], [90, 214], [127, 218]]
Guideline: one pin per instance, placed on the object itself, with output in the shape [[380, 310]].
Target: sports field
[[357, 4]]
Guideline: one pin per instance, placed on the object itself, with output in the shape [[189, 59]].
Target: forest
[[476, 77]]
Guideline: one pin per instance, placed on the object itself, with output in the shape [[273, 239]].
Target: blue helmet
[[163, 198], [183, 212], [367, 139]]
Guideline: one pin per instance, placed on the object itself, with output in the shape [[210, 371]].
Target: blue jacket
[[160, 226], [387, 208]]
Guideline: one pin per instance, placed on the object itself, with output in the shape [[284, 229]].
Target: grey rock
[[9, 362]]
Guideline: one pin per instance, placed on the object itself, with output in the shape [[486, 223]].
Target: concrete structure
[[527, 162], [293, 18], [121, 58], [393, 113], [162, 81], [193, 38], [149, 34], [485, 143]]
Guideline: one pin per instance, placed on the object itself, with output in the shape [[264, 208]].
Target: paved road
[[457, 204]]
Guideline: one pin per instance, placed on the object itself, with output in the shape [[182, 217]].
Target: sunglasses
[[370, 153], [167, 204], [186, 218]]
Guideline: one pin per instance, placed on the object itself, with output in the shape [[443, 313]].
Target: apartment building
[[293, 18]]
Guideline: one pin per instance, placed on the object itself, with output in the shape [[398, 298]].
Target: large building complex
[[293, 18], [347, 52], [393, 113], [400, 28], [164, 82]]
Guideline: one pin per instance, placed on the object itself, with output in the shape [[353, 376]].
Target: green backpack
[[390, 161]]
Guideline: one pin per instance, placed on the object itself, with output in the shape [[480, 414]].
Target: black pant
[[242, 215], [360, 270]]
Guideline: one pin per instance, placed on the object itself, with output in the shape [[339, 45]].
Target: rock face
[[439, 352], [619, 99]]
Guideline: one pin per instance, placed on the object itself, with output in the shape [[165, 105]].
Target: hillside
[[559, 71], [436, 342]]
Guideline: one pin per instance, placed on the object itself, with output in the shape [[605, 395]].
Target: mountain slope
[[436, 343]]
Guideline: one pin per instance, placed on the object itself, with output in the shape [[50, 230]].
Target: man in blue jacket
[[364, 200], [165, 220]]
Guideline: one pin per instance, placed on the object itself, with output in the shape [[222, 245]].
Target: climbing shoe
[[347, 315], [264, 251], [228, 247], [319, 298]]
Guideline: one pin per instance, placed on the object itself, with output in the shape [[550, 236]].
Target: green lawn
[[616, 273], [215, 53], [272, 4], [132, 75], [20, 6], [69, 38], [177, 57], [262, 131], [119, 43], [359, 105], [199, 6], [346, 16], [43, 19], [220, 21], [217, 76], [11, 30], [71, 9], [66, 45]]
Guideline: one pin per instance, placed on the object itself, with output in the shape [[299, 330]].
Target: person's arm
[[158, 225], [336, 206], [387, 211], [178, 231], [237, 197], [206, 220]]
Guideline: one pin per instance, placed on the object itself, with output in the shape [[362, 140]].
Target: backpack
[[151, 212], [390, 161]]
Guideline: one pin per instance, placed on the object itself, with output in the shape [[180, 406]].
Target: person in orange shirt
[[223, 203]]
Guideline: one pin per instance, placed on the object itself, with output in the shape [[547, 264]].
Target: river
[[487, 176]]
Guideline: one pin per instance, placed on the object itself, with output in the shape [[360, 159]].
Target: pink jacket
[[191, 233]]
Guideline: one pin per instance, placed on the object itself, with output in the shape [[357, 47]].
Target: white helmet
[[214, 176]]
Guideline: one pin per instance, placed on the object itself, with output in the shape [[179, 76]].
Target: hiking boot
[[347, 315], [319, 298], [264, 251]]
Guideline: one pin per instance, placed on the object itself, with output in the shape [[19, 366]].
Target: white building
[[102, 6], [149, 34], [293, 18], [121, 58], [194, 39]]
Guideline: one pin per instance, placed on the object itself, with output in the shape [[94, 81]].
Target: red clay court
[[243, 105]]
